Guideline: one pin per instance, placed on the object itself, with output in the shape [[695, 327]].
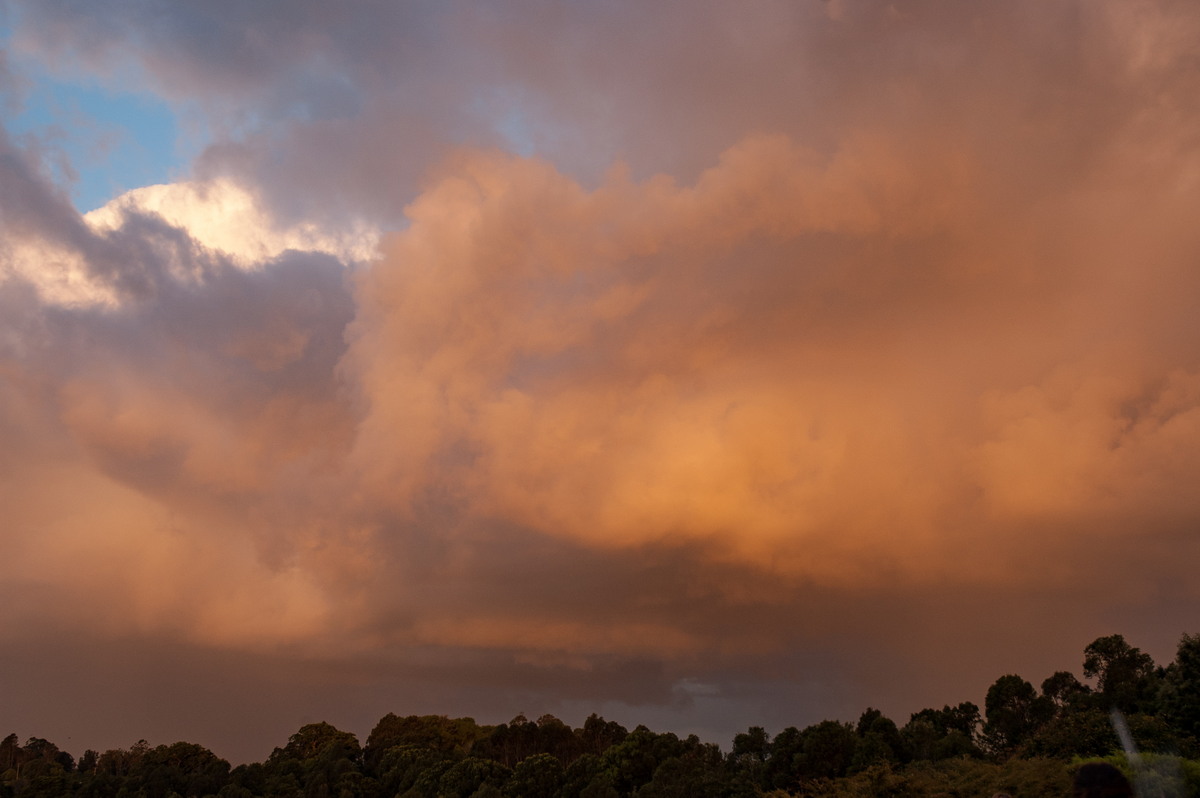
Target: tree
[[1085, 732], [782, 771], [598, 734], [318, 740], [186, 769], [518, 739], [317, 757], [11, 754], [604, 785], [538, 776], [934, 734], [468, 775], [435, 732], [879, 741], [250, 778], [689, 777], [1181, 687], [634, 760], [1014, 712], [828, 749], [120, 762], [87, 762], [1125, 676], [751, 750], [963, 718], [428, 780], [1064, 690], [580, 773], [37, 748], [557, 738], [753, 744], [400, 766]]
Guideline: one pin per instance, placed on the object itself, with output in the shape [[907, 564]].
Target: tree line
[[1024, 741]]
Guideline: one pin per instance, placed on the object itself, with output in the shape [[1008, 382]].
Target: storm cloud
[[728, 366]]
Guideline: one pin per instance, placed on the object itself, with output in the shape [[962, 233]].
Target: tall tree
[[1014, 712], [11, 754], [598, 734], [748, 757], [1125, 676], [1181, 687], [879, 740], [317, 757], [751, 747]]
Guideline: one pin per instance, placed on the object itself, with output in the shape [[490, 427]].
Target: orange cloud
[[826, 322], [824, 368]]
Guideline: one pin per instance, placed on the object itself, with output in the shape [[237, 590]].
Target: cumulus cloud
[[597, 364], [225, 217], [797, 340]]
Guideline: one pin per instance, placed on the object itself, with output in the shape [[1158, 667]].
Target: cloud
[[752, 367], [645, 362], [225, 217], [585, 362], [219, 219], [148, 392], [764, 351]]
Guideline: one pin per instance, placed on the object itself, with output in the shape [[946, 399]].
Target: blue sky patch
[[96, 142]]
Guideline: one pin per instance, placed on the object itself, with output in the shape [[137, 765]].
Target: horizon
[[1088, 684]]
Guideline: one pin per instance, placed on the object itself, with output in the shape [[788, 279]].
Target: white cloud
[[226, 218], [219, 215]]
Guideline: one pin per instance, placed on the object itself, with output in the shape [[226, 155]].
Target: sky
[[699, 364]]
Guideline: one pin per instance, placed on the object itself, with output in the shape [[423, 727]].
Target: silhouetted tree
[[1014, 712], [935, 734], [1180, 694], [879, 741], [827, 749], [434, 732], [782, 770], [1125, 675], [598, 734], [1065, 691], [633, 761], [748, 758]]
